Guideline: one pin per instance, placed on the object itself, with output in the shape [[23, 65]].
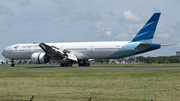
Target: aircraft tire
[[66, 65], [69, 65], [12, 65], [84, 64], [88, 64], [61, 65], [79, 64]]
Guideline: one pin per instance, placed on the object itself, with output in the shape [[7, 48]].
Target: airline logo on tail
[[146, 34]]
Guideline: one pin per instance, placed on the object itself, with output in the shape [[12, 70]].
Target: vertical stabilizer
[[146, 34]]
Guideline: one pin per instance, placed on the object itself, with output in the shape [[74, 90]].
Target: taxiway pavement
[[99, 67]]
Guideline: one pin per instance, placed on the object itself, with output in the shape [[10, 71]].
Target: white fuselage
[[82, 50]]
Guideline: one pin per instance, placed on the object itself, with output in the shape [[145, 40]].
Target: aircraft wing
[[54, 51]]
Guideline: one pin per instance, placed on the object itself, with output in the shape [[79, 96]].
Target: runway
[[99, 67]]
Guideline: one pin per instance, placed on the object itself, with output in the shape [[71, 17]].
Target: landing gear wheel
[[84, 64], [61, 65], [69, 65], [88, 64], [12, 65], [66, 65]]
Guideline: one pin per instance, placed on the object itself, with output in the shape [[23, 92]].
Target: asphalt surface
[[108, 67]]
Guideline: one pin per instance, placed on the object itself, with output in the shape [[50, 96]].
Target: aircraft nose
[[4, 53]]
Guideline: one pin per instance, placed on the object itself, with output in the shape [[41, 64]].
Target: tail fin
[[146, 34]]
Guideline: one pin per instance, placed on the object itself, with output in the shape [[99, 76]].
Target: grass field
[[100, 84]]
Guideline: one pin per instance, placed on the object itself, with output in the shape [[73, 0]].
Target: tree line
[[128, 60], [142, 59]]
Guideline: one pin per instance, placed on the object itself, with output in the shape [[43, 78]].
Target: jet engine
[[40, 58]]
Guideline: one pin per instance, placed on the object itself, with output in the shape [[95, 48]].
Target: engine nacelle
[[40, 58]]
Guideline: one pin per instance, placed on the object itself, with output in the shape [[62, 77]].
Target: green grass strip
[[100, 84]]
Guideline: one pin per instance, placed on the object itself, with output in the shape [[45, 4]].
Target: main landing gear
[[83, 63], [12, 63], [66, 63]]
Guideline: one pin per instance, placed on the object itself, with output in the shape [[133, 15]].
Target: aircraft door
[[123, 48], [91, 49]]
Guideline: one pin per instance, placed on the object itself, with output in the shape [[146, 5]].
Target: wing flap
[[72, 57], [54, 51], [47, 49]]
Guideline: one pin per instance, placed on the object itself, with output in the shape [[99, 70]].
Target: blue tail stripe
[[148, 28], [147, 32], [151, 35], [139, 35], [142, 37], [147, 24], [155, 17], [145, 27]]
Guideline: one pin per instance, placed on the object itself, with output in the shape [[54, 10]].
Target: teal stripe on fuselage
[[127, 50]]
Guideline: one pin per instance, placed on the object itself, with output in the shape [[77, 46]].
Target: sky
[[28, 21]]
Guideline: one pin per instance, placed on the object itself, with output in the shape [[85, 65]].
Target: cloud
[[100, 25], [89, 16], [93, 16], [130, 23], [102, 28], [155, 9], [122, 35], [64, 5], [108, 32], [5, 11], [130, 16], [178, 44], [112, 13], [163, 35], [25, 2]]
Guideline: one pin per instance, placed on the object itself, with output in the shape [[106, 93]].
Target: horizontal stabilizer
[[168, 45], [143, 46]]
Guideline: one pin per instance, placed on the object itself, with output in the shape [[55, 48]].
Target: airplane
[[80, 52]]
